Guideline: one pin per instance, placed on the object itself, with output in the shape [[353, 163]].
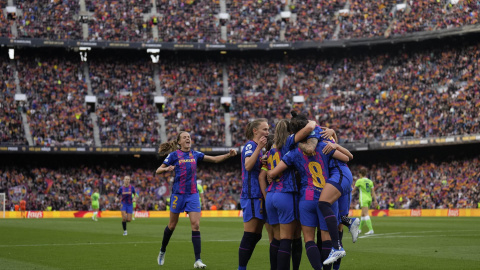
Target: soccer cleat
[[334, 255], [161, 258], [124, 233], [354, 229], [199, 264], [369, 232]]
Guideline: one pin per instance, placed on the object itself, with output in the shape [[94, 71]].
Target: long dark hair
[[298, 121], [170, 146]]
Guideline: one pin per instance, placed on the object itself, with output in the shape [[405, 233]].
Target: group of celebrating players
[[306, 185], [294, 181]]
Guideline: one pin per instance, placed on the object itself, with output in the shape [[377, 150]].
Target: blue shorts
[[344, 205], [311, 216], [252, 208], [127, 208], [185, 203], [342, 179], [281, 207]]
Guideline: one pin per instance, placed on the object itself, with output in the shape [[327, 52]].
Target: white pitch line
[[108, 243]]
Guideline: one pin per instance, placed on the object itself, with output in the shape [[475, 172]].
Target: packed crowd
[[364, 96], [5, 23], [254, 21], [54, 20], [55, 88], [366, 19], [250, 21], [419, 184], [125, 109], [427, 184], [193, 90], [188, 21], [11, 126], [119, 20], [314, 20], [407, 95], [69, 188]]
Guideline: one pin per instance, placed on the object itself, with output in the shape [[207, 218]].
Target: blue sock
[[326, 248], [313, 255], [249, 240], [336, 265], [274, 245], [297, 248], [284, 252], [167, 233], [331, 220], [346, 221], [197, 244]]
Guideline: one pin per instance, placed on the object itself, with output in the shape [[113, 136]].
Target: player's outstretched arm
[[282, 166], [305, 131], [163, 168], [221, 158]]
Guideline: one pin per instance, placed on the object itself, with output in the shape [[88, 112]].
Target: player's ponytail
[[166, 148], [251, 125], [170, 146], [282, 131]]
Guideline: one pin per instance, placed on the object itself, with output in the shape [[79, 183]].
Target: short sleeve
[[316, 133], [289, 158], [249, 149], [199, 155], [170, 159]]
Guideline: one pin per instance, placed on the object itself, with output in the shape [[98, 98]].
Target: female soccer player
[[251, 199], [282, 199], [95, 204], [338, 186], [313, 170], [367, 192], [126, 192], [183, 160]]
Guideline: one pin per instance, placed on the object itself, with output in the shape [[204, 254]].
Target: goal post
[[2, 204]]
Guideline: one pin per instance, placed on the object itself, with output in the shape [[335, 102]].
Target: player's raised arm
[[221, 158]]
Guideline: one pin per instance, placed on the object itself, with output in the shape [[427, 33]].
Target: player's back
[[365, 185]]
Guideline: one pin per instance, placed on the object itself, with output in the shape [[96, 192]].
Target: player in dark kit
[[185, 197], [126, 192], [251, 198]]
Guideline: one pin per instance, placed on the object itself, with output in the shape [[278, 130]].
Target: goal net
[[2, 205]]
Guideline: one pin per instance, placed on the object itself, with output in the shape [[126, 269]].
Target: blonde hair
[[170, 146], [254, 124], [282, 131]]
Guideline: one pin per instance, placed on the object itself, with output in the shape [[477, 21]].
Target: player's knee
[[195, 226]]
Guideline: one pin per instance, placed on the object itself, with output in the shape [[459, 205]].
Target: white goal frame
[[2, 201]]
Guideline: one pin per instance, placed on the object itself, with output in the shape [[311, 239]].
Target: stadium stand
[[11, 127], [55, 90], [125, 89], [53, 20], [427, 184], [250, 21]]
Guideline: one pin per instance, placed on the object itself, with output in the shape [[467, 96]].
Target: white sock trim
[[367, 217]]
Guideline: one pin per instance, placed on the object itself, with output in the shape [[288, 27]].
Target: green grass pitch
[[398, 243]]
